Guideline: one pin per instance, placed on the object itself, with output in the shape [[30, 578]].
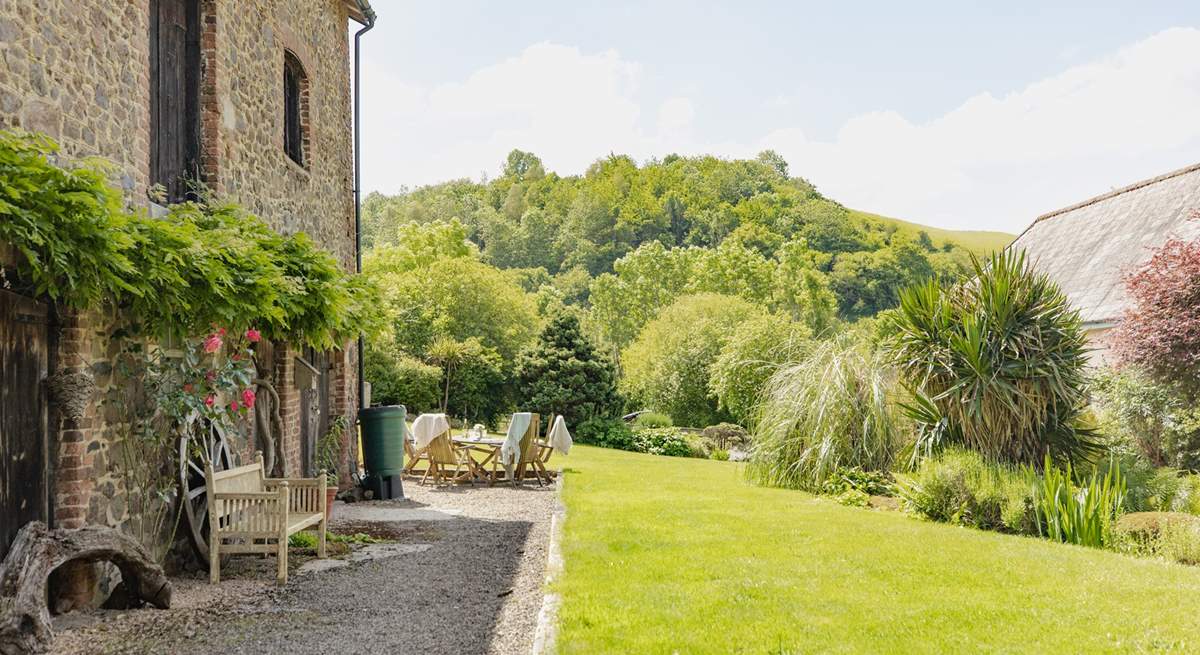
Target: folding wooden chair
[[413, 458], [443, 453], [529, 453], [545, 450], [532, 456]]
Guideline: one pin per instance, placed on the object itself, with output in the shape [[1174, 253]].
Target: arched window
[[295, 109]]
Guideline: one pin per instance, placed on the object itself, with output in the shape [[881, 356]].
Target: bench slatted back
[[241, 514], [238, 480]]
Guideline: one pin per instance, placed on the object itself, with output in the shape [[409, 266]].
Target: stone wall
[[253, 168], [78, 70]]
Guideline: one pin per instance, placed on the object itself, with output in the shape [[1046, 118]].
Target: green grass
[[980, 242], [667, 555]]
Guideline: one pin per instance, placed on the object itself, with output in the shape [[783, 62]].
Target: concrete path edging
[[546, 637]]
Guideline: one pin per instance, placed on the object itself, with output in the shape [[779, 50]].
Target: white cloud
[[996, 163], [991, 163], [567, 107], [675, 115]]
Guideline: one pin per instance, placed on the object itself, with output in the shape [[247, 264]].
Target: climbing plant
[[160, 395], [204, 263]]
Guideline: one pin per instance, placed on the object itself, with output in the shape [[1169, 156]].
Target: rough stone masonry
[[79, 71]]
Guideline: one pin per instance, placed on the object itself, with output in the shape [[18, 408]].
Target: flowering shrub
[[662, 441], [212, 382], [160, 396], [1160, 332]]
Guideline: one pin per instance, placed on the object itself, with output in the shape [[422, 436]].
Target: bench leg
[[321, 539], [281, 576], [214, 558]]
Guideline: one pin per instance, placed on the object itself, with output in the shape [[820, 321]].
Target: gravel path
[[476, 589]]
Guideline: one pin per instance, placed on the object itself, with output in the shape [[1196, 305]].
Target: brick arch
[[290, 44], [297, 130]]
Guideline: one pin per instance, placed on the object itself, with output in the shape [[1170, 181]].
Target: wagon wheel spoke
[[194, 449]]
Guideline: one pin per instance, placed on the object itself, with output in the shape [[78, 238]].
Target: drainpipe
[[370, 16]]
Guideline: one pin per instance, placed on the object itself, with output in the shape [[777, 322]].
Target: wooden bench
[[251, 513]]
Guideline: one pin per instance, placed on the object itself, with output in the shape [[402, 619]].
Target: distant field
[[977, 241]]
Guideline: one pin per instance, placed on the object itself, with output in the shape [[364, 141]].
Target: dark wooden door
[[314, 410], [24, 350], [174, 95]]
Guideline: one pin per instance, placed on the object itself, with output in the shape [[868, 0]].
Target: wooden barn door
[[174, 96], [24, 452]]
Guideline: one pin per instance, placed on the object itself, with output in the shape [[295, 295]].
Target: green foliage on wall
[[202, 264]]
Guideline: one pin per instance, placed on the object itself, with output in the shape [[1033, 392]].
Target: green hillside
[[980, 242]]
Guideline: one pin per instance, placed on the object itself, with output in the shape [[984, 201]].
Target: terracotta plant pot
[[330, 492]]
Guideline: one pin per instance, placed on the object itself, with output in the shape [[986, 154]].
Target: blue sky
[[943, 113]]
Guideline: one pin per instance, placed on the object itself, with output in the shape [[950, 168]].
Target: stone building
[[1088, 247], [251, 98]]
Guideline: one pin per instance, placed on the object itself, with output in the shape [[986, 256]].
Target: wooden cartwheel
[[196, 448]]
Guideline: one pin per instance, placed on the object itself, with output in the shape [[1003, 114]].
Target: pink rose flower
[[209, 401], [212, 344], [210, 375], [248, 398], [233, 405], [221, 331], [253, 335]]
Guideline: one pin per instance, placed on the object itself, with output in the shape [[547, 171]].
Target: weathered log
[[38, 551]]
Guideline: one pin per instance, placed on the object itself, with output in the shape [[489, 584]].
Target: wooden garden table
[[489, 447]]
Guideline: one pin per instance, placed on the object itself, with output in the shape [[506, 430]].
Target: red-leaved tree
[[1160, 331]]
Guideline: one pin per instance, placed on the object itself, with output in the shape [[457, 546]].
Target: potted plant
[[328, 450]]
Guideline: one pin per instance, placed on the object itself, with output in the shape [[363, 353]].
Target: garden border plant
[[833, 410], [996, 363]]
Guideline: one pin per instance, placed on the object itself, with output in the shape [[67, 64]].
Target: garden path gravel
[[478, 588]]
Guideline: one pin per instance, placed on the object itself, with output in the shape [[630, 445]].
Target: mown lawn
[[669, 555]]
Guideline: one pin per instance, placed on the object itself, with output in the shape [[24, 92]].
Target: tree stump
[[38, 551]]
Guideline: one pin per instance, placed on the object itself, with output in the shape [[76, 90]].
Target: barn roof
[[1088, 247]]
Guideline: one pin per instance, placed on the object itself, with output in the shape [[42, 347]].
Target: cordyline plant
[[996, 364], [1160, 331]]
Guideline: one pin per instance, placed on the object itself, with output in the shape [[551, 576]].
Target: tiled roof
[[1088, 247]]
